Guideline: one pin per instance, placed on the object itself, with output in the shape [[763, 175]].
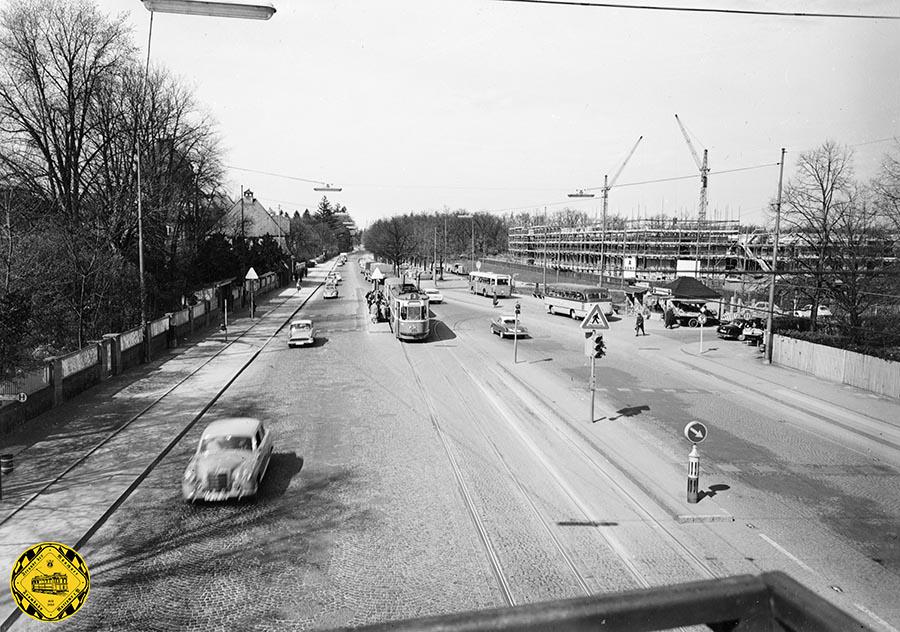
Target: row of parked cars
[[749, 330]]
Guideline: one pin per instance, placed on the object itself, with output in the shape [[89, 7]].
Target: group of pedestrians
[[379, 310]]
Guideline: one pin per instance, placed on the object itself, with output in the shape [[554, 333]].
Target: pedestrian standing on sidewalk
[[639, 325]]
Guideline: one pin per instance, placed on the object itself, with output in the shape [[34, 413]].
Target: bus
[[490, 283], [409, 313], [575, 301]]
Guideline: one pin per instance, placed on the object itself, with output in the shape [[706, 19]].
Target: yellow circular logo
[[50, 581]]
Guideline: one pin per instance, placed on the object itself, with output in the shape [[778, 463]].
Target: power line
[[277, 175], [648, 7]]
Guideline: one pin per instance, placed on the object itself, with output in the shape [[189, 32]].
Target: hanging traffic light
[[599, 347], [518, 309]]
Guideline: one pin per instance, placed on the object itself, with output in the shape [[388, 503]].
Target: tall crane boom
[[703, 166], [624, 162], [607, 185]]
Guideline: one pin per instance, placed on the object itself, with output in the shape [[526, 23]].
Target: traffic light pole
[[593, 360], [516, 337]]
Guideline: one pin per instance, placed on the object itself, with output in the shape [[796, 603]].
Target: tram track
[[554, 422], [144, 411], [108, 512], [545, 523], [493, 557]]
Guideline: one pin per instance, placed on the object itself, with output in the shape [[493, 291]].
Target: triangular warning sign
[[595, 319], [251, 275]]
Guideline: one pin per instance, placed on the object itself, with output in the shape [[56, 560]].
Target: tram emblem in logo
[[50, 581]]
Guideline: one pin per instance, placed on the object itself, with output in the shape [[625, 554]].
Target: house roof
[[258, 221], [689, 287]]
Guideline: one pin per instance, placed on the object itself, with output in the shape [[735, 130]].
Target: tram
[[409, 309], [55, 584]]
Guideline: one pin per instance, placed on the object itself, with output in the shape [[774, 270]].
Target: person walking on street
[[495, 301], [639, 325]]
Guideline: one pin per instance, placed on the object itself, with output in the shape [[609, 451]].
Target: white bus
[[575, 301], [490, 283]]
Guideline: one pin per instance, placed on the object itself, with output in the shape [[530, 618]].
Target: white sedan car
[[806, 312], [433, 294], [230, 462], [301, 332]]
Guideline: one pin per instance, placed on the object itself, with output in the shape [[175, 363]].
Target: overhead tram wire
[[689, 9]]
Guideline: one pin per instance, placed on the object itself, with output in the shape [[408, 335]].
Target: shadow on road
[[713, 490], [586, 523], [440, 332], [283, 467], [630, 411]]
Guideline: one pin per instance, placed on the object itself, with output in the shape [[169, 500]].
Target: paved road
[[413, 479]]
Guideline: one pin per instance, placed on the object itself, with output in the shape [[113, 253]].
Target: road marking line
[[875, 617], [623, 389], [784, 551]]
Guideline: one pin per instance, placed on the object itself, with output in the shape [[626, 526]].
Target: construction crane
[[702, 166], [607, 185]]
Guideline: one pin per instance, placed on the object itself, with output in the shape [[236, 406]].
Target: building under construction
[[661, 249]]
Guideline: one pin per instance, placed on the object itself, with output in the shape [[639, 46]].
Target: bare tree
[[815, 201], [887, 186], [857, 279]]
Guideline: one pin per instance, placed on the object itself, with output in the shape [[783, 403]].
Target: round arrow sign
[[695, 431]]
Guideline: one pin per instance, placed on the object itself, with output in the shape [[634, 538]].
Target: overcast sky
[[416, 105]]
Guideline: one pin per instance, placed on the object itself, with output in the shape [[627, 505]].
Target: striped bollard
[[693, 481], [695, 432]]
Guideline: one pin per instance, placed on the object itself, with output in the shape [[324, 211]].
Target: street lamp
[[471, 217], [207, 8], [327, 187]]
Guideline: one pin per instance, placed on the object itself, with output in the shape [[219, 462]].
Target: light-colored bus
[[575, 301], [490, 283]]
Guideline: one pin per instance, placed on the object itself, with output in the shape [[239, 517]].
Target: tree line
[[81, 118]]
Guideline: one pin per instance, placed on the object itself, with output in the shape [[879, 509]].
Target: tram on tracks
[[55, 584], [409, 311]]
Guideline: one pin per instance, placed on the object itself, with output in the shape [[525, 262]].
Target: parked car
[[331, 291], [301, 332], [732, 330], [753, 332], [505, 325], [434, 295], [230, 462], [760, 308], [688, 313], [806, 312]]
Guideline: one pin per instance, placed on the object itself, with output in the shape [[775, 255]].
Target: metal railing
[[770, 602]]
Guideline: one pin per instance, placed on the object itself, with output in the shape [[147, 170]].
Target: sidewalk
[[874, 415], [103, 434]]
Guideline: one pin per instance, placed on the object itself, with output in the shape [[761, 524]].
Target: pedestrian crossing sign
[[595, 319]]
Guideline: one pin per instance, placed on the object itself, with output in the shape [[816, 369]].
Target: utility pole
[[769, 319], [434, 259], [544, 252], [444, 251]]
